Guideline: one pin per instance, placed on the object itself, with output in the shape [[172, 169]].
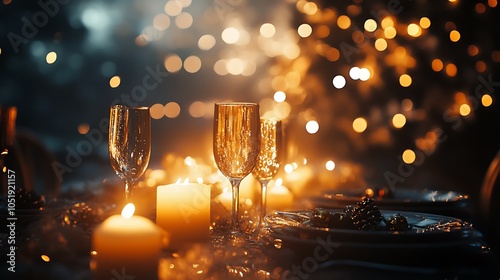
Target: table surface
[[63, 230]]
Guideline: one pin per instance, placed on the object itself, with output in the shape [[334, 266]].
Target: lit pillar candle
[[183, 210], [126, 245], [279, 197]]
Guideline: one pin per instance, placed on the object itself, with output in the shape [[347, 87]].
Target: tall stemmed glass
[[270, 156], [236, 146], [129, 143]]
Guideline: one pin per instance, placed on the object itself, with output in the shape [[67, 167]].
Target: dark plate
[[432, 201], [424, 227], [433, 240]]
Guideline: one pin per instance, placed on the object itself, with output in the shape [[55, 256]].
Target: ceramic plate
[[440, 202], [423, 228]]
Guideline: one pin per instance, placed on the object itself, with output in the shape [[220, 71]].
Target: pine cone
[[366, 215]]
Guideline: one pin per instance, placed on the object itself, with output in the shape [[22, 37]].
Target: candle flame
[[128, 210], [179, 181]]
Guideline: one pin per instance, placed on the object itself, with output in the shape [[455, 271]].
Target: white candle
[[126, 245], [279, 198], [183, 210]]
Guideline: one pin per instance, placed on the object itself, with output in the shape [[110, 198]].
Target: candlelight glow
[[128, 211], [45, 258]]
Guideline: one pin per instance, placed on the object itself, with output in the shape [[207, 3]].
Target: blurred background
[[373, 93]]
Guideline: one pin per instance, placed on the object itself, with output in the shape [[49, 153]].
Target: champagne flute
[[270, 156], [236, 147], [129, 143]]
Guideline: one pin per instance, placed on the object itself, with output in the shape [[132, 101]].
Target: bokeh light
[[380, 44], [51, 57], [339, 81], [304, 30], [437, 64], [192, 64], [115, 81], [172, 110], [279, 96], [390, 32], [359, 124], [398, 120], [267, 30], [330, 165], [230, 35], [465, 110], [206, 42], [409, 156], [414, 30], [370, 25], [486, 100], [425, 22], [312, 127], [343, 22], [454, 36], [173, 63], [405, 80]]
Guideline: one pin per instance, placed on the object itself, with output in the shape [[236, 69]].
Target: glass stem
[[128, 191], [263, 200], [235, 221]]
